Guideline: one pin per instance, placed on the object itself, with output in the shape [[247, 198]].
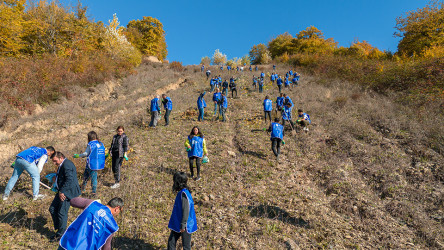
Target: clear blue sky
[[196, 28]]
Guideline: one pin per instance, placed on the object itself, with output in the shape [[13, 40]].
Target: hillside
[[364, 176]]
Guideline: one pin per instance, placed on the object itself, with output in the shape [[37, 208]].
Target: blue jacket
[[176, 215], [91, 229], [262, 74], [279, 81], [268, 105], [216, 97], [286, 115], [155, 105], [169, 104], [272, 77], [224, 102], [212, 81], [32, 154], [96, 159], [280, 101], [201, 101], [288, 100], [277, 131], [196, 144], [287, 82]]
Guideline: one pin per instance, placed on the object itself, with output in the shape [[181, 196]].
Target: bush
[[177, 66]]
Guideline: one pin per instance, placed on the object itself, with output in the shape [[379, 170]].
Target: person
[[225, 87], [201, 105], [277, 136], [168, 106], [295, 80], [279, 83], [183, 218], [212, 84], [155, 111], [268, 107], [67, 189], [228, 67], [262, 74], [250, 68], [95, 151], [233, 87], [303, 119], [202, 68], [208, 73], [286, 82], [287, 99], [216, 99], [286, 115], [280, 102], [255, 68], [94, 227], [223, 105], [118, 149], [197, 148], [254, 82], [32, 161], [272, 77], [221, 67], [261, 85]]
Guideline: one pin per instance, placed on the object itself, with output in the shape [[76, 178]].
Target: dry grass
[[367, 175]]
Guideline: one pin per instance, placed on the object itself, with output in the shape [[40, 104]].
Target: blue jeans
[[90, 174], [216, 108], [261, 88], [212, 88], [20, 166], [201, 114]]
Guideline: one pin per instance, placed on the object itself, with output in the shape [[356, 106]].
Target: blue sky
[[196, 28]]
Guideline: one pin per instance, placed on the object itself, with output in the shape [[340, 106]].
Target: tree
[[245, 60], [259, 54], [205, 60], [11, 26], [421, 30], [148, 36], [219, 58], [281, 44], [310, 33]]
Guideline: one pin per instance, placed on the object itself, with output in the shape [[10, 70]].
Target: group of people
[[156, 112]]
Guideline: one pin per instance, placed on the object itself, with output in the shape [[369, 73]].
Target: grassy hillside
[[367, 175]]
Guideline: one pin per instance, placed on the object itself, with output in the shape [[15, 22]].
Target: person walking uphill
[[95, 151], [155, 111], [30, 160], [183, 220], [233, 87], [223, 105], [268, 107], [277, 136], [216, 99], [168, 106], [201, 105], [94, 227], [197, 148], [118, 149], [67, 189]]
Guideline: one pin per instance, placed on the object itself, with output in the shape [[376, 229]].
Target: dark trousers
[[261, 88], [267, 113], [280, 88], [198, 162], [232, 93], [276, 146], [291, 123], [167, 116], [59, 213], [174, 236], [212, 88], [116, 163]]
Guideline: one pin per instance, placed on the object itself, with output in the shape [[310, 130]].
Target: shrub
[[177, 66]]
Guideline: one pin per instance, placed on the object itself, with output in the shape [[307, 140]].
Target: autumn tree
[[11, 26], [245, 60], [148, 36], [281, 44], [259, 54], [206, 60], [421, 30], [219, 58]]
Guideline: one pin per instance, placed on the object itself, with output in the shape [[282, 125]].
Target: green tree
[[148, 36], [421, 29]]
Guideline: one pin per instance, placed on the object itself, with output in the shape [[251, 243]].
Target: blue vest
[[90, 229], [212, 82], [155, 105], [288, 100], [286, 115], [169, 104], [201, 102], [268, 105], [279, 81], [196, 144], [96, 159], [32, 154], [291, 72], [272, 77], [262, 74], [280, 101], [216, 97], [224, 102], [176, 216], [277, 130], [305, 115], [287, 82]]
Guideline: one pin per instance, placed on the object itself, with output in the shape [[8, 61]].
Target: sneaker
[[305, 129], [116, 185], [38, 197], [198, 178], [5, 197]]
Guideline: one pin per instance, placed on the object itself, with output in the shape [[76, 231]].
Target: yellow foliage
[[434, 52]]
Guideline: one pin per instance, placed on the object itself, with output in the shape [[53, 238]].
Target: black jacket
[[67, 182]]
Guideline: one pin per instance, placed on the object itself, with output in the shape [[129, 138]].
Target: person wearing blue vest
[[274, 67], [155, 111], [287, 99], [277, 137], [280, 102], [279, 83], [223, 104], [117, 150], [94, 227], [95, 151], [286, 83], [212, 84], [168, 106], [261, 85], [268, 107], [254, 82], [295, 81], [286, 115], [183, 220], [67, 189], [272, 77], [290, 72], [250, 68], [255, 68], [201, 105], [216, 99], [303, 120], [30, 160], [262, 74], [196, 147]]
